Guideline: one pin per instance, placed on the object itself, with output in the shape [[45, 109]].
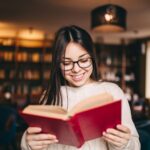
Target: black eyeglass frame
[[77, 62]]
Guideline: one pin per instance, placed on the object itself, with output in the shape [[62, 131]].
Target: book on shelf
[[35, 57], [46, 74], [2, 74], [24, 56], [47, 57], [36, 90], [12, 74], [1, 56], [19, 57], [8, 56], [85, 121], [31, 74]]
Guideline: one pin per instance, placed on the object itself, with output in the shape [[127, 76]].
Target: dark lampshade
[[108, 18]]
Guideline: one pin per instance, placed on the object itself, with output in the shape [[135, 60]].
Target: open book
[[85, 121]]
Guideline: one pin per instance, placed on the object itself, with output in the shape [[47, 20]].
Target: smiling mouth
[[78, 77]]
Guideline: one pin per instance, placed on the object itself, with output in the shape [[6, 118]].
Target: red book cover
[[82, 126]]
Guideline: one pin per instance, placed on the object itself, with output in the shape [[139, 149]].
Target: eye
[[83, 60], [66, 63]]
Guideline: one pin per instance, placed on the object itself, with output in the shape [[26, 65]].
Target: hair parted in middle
[[63, 37]]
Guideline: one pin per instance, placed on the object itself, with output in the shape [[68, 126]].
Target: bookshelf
[[25, 69], [120, 64]]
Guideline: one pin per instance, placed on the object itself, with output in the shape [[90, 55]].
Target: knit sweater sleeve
[[126, 118]]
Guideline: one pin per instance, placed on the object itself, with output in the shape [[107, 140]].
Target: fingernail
[[52, 136], [39, 129], [118, 125], [107, 130], [56, 140]]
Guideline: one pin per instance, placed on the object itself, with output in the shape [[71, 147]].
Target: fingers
[[118, 137], [123, 128], [37, 140], [121, 133], [40, 144], [113, 139], [39, 137], [31, 130], [36, 145]]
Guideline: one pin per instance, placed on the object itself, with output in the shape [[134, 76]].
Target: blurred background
[[27, 31]]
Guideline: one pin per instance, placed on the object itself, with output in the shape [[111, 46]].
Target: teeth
[[78, 77]]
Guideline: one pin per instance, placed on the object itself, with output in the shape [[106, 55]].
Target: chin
[[78, 84]]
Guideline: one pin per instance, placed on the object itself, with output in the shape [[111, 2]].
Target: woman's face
[[76, 65]]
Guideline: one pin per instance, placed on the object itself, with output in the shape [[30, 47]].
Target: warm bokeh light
[[7, 30], [31, 34], [108, 17], [29, 37]]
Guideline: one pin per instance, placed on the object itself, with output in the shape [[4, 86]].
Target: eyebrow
[[79, 56]]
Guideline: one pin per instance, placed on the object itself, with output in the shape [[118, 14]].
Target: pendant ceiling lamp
[[108, 18]]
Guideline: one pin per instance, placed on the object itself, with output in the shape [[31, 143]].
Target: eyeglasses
[[82, 63]]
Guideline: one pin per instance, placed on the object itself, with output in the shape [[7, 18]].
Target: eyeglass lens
[[82, 63]]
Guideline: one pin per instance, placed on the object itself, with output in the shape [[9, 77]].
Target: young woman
[[73, 78]]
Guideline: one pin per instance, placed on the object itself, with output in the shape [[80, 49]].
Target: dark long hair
[[63, 37]]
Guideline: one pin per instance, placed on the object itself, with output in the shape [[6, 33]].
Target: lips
[[77, 77]]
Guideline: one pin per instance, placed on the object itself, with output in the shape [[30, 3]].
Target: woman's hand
[[118, 137], [37, 140]]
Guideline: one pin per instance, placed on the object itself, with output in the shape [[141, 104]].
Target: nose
[[76, 67]]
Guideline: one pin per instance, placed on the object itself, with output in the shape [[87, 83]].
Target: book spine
[[76, 129]]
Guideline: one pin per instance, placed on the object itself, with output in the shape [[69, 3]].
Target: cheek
[[65, 73], [90, 69]]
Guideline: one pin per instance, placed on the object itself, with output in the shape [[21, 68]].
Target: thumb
[[31, 130]]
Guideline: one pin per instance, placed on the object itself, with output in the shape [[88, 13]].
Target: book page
[[47, 111], [60, 113], [91, 102]]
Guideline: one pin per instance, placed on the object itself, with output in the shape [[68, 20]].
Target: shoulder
[[106, 85], [113, 89], [110, 86]]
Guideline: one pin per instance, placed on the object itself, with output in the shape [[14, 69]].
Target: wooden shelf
[[25, 70], [119, 64]]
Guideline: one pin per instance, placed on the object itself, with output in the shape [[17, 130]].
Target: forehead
[[74, 50]]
